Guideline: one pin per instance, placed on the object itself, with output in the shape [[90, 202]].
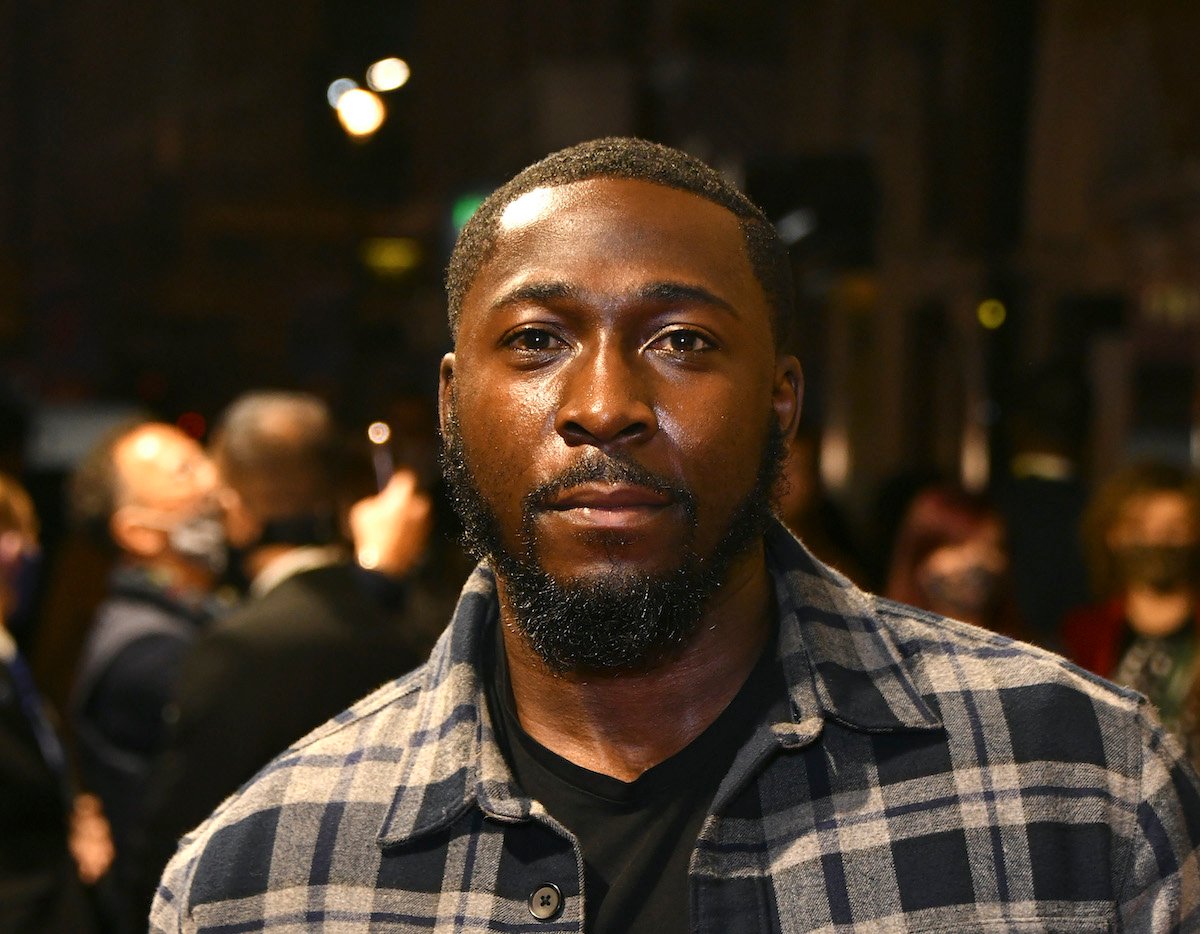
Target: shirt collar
[[839, 661], [293, 561], [836, 651], [8, 647]]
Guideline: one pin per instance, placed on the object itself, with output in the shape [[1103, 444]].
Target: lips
[[618, 505], [609, 496]]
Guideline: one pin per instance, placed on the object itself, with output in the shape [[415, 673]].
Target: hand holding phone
[[391, 528]]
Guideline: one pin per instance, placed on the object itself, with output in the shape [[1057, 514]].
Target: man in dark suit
[[313, 636]]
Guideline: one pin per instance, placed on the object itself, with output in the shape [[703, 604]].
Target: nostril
[[605, 398], [574, 433]]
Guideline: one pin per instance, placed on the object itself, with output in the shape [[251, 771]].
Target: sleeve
[[128, 702], [169, 912], [200, 763], [1161, 889]]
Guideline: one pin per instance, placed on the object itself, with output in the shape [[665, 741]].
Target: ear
[[445, 390], [788, 394], [242, 527], [132, 535]]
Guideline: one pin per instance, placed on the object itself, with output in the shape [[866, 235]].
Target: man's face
[[615, 384], [164, 480], [162, 468]]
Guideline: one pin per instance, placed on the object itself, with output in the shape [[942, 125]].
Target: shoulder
[[121, 619], [315, 598], [1048, 722], [129, 635], [260, 619], [347, 765], [955, 656], [1019, 703], [883, 664]]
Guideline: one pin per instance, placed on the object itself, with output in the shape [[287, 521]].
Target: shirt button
[[546, 901]]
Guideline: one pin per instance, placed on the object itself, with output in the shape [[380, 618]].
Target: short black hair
[[279, 450], [639, 160]]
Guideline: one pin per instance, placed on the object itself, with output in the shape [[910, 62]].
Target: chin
[[616, 564]]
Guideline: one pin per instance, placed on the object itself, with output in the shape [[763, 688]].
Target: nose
[[605, 400]]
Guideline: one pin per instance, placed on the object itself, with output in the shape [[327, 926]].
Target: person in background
[[24, 575], [1042, 499], [1142, 532], [950, 558], [149, 491], [52, 841], [805, 508], [315, 631]]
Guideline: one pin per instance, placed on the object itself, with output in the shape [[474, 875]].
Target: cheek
[[719, 423], [503, 433], [717, 451]]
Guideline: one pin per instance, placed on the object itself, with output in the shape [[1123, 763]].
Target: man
[[653, 710], [314, 633], [149, 491]]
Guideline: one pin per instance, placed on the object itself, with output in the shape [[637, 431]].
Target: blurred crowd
[[215, 602], [211, 606], [1106, 574]]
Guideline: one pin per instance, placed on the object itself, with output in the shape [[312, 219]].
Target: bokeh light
[[379, 432], [360, 112], [391, 256], [387, 74], [991, 313], [337, 88], [464, 208]]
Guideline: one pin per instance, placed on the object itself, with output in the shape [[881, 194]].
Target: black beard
[[622, 621]]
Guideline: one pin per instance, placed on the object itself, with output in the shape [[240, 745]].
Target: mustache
[[603, 468]]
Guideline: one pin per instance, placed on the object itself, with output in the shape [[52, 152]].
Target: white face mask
[[201, 538]]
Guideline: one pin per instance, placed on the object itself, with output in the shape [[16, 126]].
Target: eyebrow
[[666, 293], [536, 293], [678, 293]]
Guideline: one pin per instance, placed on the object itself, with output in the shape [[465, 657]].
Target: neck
[[621, 724], [1151, 613], [177, 572]]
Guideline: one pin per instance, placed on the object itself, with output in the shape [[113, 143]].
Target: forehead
[[620, 231], [157, 454]]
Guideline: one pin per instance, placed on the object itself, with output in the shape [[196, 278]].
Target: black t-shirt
[[637, 837]]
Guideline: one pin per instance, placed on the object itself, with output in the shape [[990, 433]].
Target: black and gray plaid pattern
[[923, 775]]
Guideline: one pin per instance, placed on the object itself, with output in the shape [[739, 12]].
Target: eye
[[682, 341], [533, 341]]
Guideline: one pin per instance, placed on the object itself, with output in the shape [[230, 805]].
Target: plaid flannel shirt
[[922, 775]]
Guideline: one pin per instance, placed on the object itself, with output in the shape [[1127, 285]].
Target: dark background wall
[[182, 218]]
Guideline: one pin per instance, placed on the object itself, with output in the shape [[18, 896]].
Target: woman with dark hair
[[950, 557], [1141, 531]]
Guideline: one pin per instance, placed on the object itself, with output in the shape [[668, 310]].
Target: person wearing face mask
[[53, 841], [148, 491], [950, 558], [316, 629], [1142, 531]]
